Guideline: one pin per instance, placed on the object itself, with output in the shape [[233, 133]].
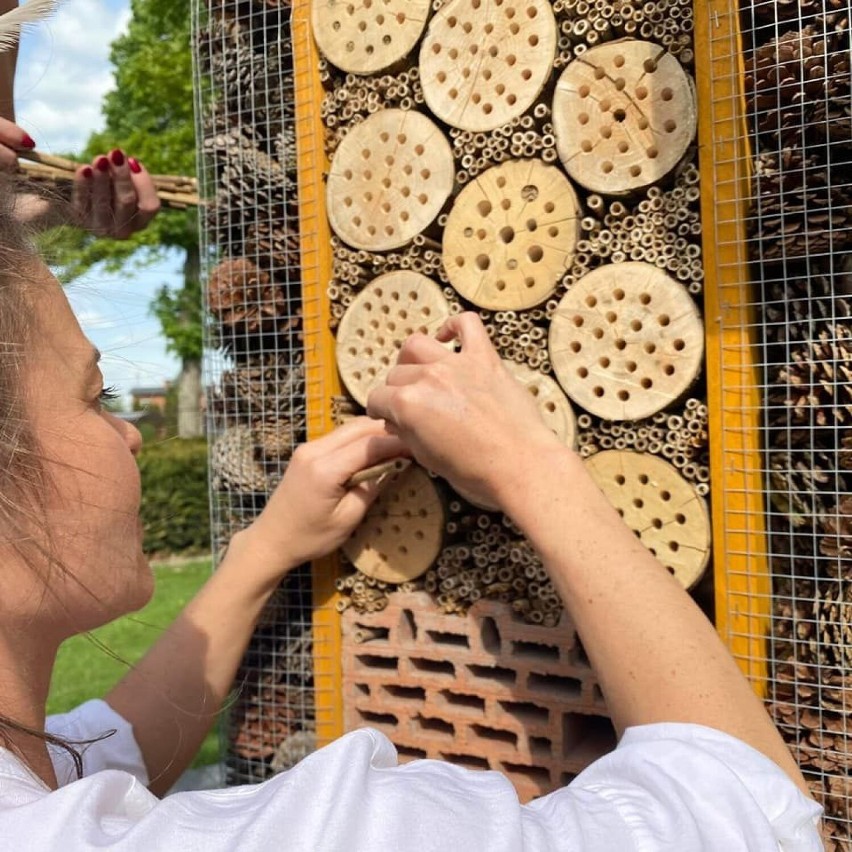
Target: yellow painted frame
[[742, 582], [321, 379]]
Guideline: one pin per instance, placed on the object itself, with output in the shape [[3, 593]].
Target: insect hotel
[[648, 205]]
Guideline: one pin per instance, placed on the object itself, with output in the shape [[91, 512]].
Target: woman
[[699, 765]]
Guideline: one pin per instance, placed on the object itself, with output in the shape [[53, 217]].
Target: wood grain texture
[[485, 62], [626, 341], [624, 114], [511, 235], [369, 35], [553, 405], [389, 179], [660, 506]]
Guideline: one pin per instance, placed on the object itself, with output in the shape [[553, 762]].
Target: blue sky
[[63, 74]]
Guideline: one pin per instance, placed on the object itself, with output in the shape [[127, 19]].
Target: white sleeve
[[90, 721], [682, 787]]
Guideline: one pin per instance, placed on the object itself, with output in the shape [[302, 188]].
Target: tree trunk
[[190, 423]]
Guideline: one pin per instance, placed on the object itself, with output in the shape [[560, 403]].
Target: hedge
[[175, 508]]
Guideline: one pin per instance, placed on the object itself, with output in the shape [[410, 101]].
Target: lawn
[[86, 670]]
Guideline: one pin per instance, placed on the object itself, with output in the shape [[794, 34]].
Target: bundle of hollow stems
[[175, 191]]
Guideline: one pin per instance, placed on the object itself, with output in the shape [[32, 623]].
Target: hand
[[114, 196], [312, 512], [461, 413], [12, 140]]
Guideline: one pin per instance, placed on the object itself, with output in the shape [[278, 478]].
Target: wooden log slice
[[510, 235], [402, 533], [390, 177], [381, 317], [370, 35], [660, 506], [624, 114], [552, 404], [626, 341], [485, 62]]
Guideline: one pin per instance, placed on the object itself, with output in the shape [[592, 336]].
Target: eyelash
[[108, 393]]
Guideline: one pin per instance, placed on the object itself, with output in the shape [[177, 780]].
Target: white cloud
[[64, 72]]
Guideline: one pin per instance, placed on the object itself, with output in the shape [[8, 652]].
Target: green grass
[[84, 670]]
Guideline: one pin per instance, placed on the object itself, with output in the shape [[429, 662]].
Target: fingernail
[[87, 172], [117, 157], [134, 165], [102, 164], [28, 141]]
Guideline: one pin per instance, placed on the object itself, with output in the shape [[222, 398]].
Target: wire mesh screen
[[782, 244], [255, 347]]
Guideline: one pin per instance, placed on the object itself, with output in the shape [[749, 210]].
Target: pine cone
[[265, 387]]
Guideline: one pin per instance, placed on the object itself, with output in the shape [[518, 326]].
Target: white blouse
[[666, 787]]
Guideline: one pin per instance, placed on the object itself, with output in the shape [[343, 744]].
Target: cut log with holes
[[402, 533], [626, 341], [511, 234], [485, 62], [367, 37], [389, 179], [660, 506], [552, 404], [624, 115], [379, 320]]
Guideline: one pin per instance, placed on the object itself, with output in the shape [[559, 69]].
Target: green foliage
[[149, 114], [175, 509], [89, 666]]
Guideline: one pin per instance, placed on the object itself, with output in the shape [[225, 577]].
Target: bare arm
[[173, 695], [657, 656]]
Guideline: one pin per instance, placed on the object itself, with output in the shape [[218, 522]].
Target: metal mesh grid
[[255, 347], [790, 186]]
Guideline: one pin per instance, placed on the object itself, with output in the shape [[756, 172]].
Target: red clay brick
[[485, 690]]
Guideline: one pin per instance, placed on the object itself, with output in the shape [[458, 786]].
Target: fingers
[[381, 404], [147, 200], [123, 196], [468, 329], [421, 349], [354, 430], [12, 140], [115, 196], [101, 218]]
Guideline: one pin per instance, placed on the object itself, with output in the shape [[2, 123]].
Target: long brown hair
[[23, 479]]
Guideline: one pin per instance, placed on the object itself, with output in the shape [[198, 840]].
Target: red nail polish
[[117, 157], [27, 141], [102, 164], [87, 172], [134, 165]]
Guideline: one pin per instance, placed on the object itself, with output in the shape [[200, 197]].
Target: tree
[[149, 113]]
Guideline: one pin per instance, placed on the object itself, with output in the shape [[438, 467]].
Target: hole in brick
[[405, 693], [597, 694], [440, 637], [441, 667], [586, 737], [363, 688], [565, 687], [536, 774], [526, 712], [372, 661], [376, 633], [409, 623], [409, 753], [566, 778], [466, 760], [495, 735], [467, 702], [437, 726], [498, 674], [379, 719], [534, 649], [541, 747], [579, 657], [490, 636]]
